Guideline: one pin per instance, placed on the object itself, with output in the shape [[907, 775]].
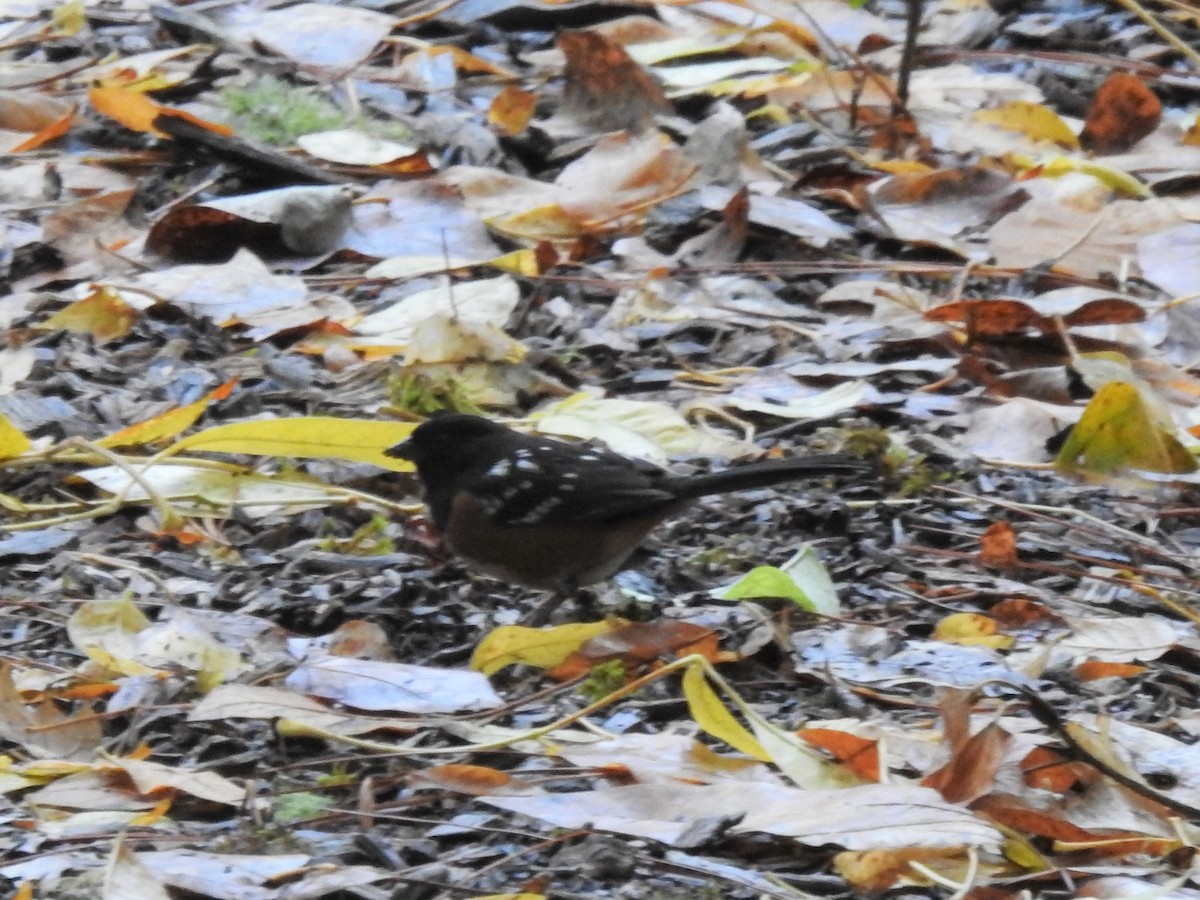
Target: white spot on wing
[[538, 513]]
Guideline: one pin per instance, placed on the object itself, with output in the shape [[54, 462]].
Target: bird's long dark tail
[[766, 473]]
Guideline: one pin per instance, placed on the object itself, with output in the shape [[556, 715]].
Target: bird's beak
[[403, 450]]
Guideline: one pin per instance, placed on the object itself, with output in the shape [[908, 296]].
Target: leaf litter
[[237, 664]]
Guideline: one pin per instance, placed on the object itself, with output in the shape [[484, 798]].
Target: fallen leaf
[[1117, 431], [1122, 112], [605, 89]]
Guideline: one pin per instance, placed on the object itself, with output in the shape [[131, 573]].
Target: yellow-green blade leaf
[[713, 716], [311, 437]]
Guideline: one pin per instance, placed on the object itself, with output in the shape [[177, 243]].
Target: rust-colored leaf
[[972, 770], [987, 317], [998, 546], [1122, 112], [1010, 812], [1019, 612], [1049, 771], [606, 89], [860, 755], [204, 234], [1107, 311], [641, 643]]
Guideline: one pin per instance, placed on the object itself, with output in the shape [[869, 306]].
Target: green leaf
[[803, 579], [1118, 430]]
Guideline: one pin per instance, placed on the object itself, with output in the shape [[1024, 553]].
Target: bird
[[553, 515]]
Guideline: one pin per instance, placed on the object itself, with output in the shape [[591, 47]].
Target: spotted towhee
[[548, 514]]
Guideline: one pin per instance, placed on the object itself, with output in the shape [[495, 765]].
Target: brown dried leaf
[[606, 89], [1122, 112]]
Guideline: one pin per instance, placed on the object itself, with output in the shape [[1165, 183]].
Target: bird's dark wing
[[548, 482]]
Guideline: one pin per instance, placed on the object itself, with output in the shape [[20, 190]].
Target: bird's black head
[[443, 439]]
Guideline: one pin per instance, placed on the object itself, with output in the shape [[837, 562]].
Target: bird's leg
[[542, 612], [585, 600]]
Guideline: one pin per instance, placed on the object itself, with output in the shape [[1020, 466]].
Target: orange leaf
[[1122, 112], [133, 110], [860, 755], [214, 127], [51, 132], [88, 691], [1049, 771], [1094, 669], [874, 871], [616, 773], [998, 546], [478, 781]]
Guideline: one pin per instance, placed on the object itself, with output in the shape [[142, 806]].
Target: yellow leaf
[[511, 110], [1106, 175], [1118, 431], [1032, 120], [1116, 179], [168, 424], [106, 632], [12, 441], [102, 314], [519, 262], [542, 223], [69, 18], [310, 437], [712, 715], [1191, 137], [543, 648], [49, 769], [971, 629]]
